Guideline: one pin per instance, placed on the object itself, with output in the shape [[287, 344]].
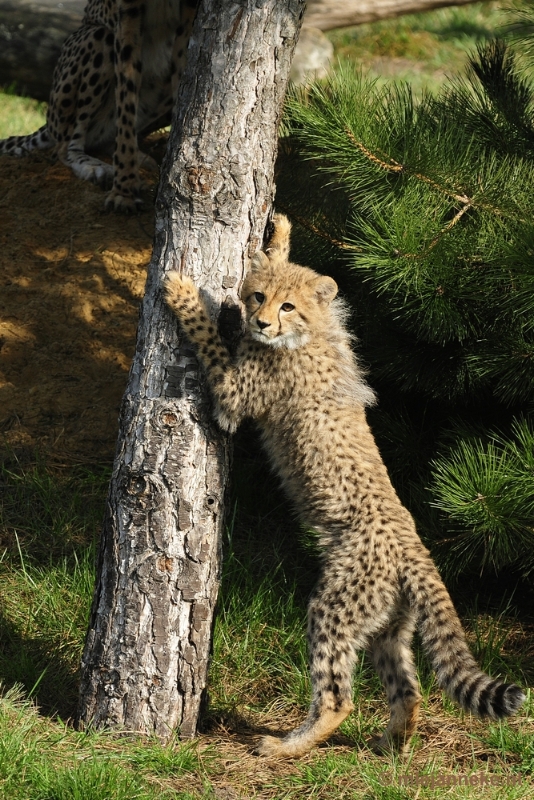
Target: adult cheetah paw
[[92, 170], [125, 204]]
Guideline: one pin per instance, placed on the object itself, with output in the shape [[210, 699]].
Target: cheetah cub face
[[285, 312]]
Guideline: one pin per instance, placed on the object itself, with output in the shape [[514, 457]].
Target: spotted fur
[[116, 77], [296, 375]]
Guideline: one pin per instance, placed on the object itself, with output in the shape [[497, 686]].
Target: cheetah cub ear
[[325, 290]]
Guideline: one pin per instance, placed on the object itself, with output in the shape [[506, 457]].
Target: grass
[[45, 596], [422, 49], [520, 743], [258, 679], [42, 759], [19, 115]]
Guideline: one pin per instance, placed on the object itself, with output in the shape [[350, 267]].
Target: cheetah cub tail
[[444, 641], [278, 249]]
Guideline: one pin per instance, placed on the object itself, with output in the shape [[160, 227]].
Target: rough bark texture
[[146, 655], [32, 33]]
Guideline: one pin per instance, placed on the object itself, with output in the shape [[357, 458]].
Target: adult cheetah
[[116, 77]]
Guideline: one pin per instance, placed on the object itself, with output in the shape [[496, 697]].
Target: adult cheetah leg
[[392, 658], [188, 11], [337, 630], [124, 195], [79, 99]]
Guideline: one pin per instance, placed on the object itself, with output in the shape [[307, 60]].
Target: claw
[[123, 203]]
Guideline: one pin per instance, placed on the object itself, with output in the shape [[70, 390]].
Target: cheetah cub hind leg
[[392, 657], [318, 727]]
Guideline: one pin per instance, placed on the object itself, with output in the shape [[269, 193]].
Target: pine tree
[[426, 205]]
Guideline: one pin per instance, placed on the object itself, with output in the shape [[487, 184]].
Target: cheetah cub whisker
[[296, 375]]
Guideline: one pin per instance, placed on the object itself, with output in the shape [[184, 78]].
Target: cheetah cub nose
[[262, 325]]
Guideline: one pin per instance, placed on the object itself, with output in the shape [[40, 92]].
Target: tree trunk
[[146, 656]]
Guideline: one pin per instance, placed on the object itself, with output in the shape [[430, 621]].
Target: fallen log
[[31, 37]]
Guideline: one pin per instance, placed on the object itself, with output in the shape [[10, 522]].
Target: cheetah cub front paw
[[181, 293]]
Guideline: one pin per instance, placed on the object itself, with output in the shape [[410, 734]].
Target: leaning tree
[[145, 660]]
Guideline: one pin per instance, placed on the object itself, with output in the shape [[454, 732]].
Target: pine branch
[[423, 254], [393, 166], [388, 163], [488, 497]]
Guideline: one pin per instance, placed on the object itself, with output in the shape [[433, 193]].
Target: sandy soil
[[71, 278]]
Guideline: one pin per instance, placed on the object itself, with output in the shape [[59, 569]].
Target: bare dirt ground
[[71, 278]]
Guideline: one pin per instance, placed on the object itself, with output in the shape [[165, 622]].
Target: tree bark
[[145, 660]]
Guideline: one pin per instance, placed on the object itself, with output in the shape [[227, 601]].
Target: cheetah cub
[[296, 375]]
